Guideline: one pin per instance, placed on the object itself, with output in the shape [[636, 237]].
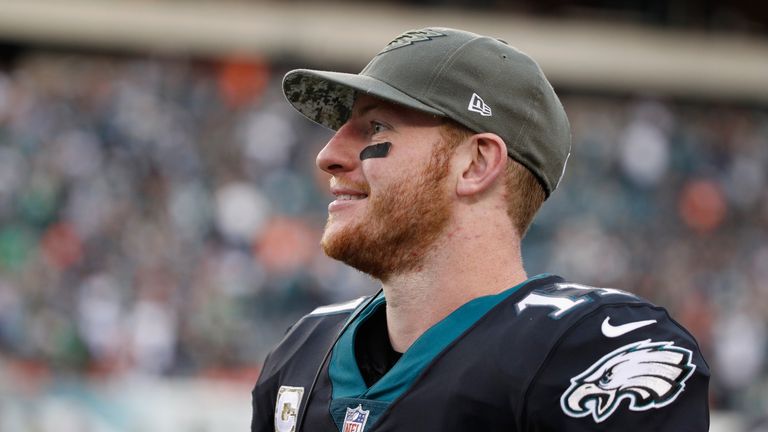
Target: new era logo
[[477, 104]]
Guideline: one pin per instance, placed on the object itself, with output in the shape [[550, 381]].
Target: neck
[[466, 263]]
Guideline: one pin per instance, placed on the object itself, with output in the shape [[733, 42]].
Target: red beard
[[402, 224]]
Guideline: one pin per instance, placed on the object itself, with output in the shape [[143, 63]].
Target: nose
[[340, 154]]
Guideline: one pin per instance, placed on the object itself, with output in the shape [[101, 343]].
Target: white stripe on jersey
[[338, 307]]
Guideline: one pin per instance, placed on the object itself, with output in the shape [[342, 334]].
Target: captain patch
[[287, 408]]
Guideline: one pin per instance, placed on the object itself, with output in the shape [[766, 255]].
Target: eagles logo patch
[[410, 37], [646, 374]]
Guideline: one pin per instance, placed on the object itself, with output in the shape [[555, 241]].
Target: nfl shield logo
[[355, 419]]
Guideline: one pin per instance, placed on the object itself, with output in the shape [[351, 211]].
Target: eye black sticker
[[379, 150]]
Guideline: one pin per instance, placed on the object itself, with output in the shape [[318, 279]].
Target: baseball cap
[[480, 82]]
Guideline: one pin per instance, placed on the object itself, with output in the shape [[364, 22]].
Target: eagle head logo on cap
[[411, 37]]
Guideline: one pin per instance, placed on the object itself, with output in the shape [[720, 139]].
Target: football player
[[446, 145]]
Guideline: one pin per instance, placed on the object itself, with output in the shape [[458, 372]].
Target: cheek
[[399, 166], [380, 173]]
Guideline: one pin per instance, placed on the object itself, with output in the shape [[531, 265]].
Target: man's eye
[[377, 128]]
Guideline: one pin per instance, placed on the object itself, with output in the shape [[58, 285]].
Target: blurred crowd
[[162, 217]]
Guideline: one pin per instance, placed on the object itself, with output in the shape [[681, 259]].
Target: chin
[[335, 233], [334, 228]]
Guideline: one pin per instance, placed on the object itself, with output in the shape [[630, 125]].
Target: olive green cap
[[477, 81]]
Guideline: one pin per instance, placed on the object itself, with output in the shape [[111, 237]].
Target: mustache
[[350, 184]]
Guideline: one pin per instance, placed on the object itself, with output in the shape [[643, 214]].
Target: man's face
[[388, 210]]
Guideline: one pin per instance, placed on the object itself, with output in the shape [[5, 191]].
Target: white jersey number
[[564, 297]]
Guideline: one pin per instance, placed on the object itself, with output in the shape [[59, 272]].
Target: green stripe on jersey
[[345, 375]]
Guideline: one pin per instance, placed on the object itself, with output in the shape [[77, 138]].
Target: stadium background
[[160, 210]]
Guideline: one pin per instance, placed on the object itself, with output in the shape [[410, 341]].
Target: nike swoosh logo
[[613, 331]]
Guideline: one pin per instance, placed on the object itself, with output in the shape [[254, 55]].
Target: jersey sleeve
[[289, 371], [626, 367], [263, 399]]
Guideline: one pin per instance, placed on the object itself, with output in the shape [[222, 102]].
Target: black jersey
[[546, 355]]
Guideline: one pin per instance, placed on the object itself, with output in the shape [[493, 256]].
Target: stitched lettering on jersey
[[564, 298]]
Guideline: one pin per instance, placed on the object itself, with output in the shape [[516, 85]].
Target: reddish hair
[[524, 193]]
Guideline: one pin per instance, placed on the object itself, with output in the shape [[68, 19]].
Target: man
[[446, 145]]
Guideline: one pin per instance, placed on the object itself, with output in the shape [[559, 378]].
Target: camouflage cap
[[477, 81]]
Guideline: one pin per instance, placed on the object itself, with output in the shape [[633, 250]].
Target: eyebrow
[[367, 109]]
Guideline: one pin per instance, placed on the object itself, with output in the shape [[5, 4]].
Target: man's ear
[[484, 160]]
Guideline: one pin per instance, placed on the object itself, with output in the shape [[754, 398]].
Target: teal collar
[[345, 375]]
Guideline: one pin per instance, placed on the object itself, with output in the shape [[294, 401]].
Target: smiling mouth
[[346, 191], [349, 197]]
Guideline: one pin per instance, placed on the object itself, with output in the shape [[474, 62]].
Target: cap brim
[[327, 97]]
